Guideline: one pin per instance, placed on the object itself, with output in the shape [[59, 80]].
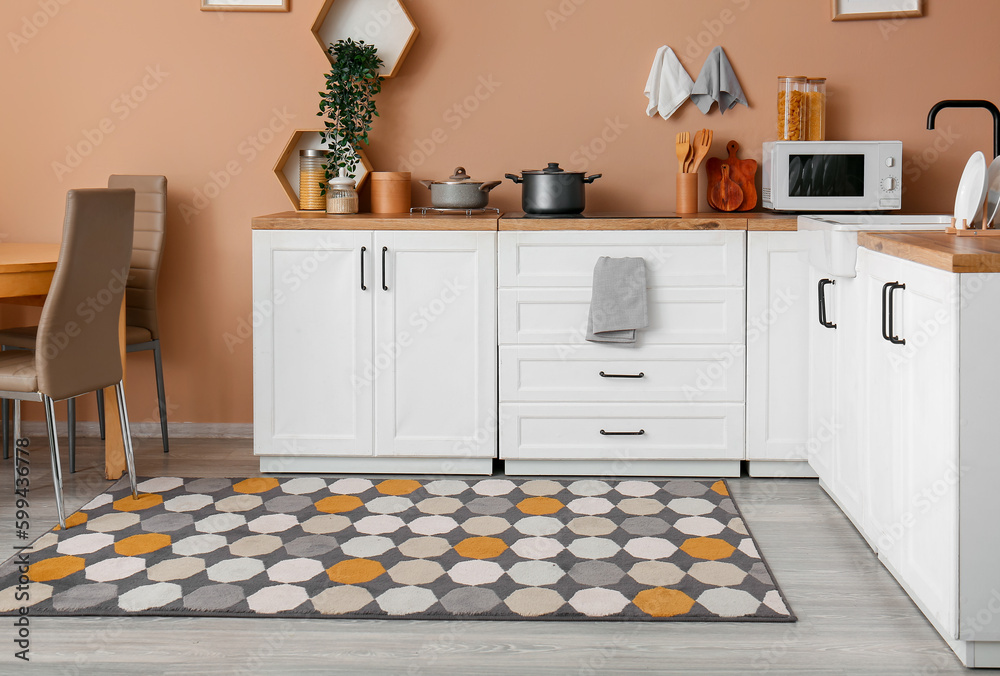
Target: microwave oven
[[832, 175]]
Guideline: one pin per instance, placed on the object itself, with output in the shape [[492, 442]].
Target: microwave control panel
[[890, 176]]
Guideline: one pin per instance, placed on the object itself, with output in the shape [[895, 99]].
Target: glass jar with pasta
[[816, 108], [792, 109]]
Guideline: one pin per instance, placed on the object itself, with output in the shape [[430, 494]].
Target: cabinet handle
[[623, 434], [363, 287], [823, 283], [889, 332], [622, 375], [384, 287]]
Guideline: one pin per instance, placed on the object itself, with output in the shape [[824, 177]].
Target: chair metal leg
[[5, 406], [100, 411], [17, 435], [71, 432], [126, 436], [50, 419], [158, 364]]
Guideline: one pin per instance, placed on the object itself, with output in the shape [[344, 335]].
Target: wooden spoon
[[727, 195]]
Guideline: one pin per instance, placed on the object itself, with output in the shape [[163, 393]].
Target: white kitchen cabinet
[[313, 340], [912, 371], [375, 351], [435, 328], [673, 404], [777, 325]]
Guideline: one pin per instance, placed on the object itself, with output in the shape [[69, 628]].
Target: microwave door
[[795, 176]]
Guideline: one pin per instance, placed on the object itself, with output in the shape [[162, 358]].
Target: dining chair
[[75, 353], [142, 329]]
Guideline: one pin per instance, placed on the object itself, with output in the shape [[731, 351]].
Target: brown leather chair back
[[77, 348], [147, 248]]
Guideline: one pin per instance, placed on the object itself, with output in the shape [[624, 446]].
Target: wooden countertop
[[937, 249], [320, 220], [651, 221]]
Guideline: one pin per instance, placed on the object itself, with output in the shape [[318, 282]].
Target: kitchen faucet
[[969, 103]]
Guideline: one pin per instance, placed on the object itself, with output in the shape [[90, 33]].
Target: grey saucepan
[[460, 191], [552, 190]]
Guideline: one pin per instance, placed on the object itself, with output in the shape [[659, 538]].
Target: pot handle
[[514, 177], [427, 184], [591, 179], [486, 187]]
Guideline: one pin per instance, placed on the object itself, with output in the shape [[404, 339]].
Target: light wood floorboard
[[853, 617]]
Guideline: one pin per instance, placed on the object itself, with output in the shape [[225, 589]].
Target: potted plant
[[348, 104]]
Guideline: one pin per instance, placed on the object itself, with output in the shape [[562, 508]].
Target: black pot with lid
[[553, 190]]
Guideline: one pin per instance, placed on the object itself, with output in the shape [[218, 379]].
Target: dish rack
[[966, 231]]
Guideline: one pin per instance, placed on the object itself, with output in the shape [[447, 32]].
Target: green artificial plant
[[348, 104]]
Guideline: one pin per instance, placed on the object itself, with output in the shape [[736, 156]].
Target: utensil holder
[[687, 193], [390, 192]]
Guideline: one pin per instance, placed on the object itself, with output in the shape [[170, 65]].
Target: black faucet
[[969, 103]]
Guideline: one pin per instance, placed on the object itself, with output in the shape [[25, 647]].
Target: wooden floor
[[853, 617]]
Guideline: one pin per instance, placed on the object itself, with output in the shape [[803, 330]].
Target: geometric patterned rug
[[489, 549]]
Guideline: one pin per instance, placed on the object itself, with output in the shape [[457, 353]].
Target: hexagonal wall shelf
[[383, 23], [287, 167]]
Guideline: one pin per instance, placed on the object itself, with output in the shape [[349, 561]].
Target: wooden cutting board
[[741, 172]]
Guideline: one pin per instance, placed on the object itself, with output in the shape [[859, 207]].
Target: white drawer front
[[673, 258], [676, 316], [683, 373], [670, 431]]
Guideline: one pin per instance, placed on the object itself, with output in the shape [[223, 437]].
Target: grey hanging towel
[[717, 82], [618, 300]]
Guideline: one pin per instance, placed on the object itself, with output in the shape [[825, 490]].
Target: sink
[[833, 239]]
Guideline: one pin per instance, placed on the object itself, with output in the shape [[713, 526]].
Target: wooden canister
[[687, 193], [390, 192]]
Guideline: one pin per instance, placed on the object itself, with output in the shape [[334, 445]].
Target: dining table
[[26, 270]]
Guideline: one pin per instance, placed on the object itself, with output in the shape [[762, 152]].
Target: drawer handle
[[623, 434], [622, 375]]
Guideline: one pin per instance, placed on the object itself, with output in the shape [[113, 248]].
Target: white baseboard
[[152, 429]]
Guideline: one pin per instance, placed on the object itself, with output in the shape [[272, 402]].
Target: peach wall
[[195, 95]]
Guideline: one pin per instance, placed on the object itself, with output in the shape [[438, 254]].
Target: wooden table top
[[937, 249], [28, 256]]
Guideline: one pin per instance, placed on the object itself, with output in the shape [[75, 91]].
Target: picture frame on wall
[[245, 5], [855, 10]]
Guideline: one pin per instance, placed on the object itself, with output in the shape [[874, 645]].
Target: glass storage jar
[[816, 108], [791, 108], [311, 179], [341, 197]]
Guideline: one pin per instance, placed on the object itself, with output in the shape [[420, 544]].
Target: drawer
[[676, 316], [567, 259], [681, 373], [573, 431]]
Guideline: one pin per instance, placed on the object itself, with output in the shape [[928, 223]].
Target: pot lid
[[459, 177], [553, 168]]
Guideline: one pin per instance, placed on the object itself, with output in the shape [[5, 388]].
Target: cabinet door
[[436, 344], [312, 343], [927, 366], [849, 448], [883, 409], [778, 325], [822, 369]]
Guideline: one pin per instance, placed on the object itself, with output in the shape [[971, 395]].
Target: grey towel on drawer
[[618, 300]]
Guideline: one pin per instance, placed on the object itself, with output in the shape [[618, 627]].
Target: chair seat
[[17, 371], [24, 336]]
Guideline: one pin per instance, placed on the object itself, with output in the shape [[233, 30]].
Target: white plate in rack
[[971, 190]]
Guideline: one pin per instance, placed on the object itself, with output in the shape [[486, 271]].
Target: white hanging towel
[[717, 82], [668, 85]]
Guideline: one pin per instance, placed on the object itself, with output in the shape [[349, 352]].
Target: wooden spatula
[[702, 144], [683, 147], [726, 195]]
